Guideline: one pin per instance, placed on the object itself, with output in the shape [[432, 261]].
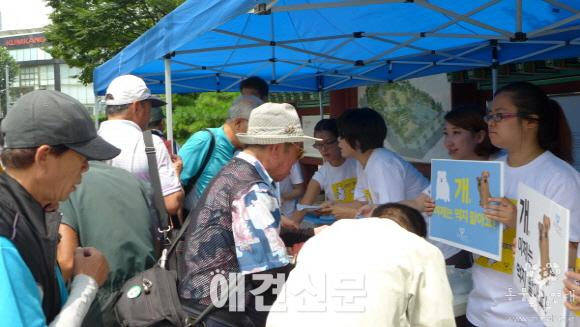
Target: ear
[[237, 124], [42, 154], [480, 136], [530, 123]]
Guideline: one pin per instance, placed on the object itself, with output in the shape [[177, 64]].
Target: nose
[[447, 141]]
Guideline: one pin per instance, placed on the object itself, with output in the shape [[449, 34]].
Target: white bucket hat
[[274, 123]]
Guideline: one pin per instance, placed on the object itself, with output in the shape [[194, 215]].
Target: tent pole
[[320, 104], [494, 65], [518, 16], [494, 80], [169, 100]]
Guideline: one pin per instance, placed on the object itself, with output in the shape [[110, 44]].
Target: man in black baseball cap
[[48, 138]]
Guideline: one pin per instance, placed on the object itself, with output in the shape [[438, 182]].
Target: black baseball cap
[[47, 117]]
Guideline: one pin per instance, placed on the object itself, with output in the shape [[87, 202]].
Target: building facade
[[39, 71]]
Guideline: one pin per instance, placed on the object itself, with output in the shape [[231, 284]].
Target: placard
[[461, 189], [542, 254]]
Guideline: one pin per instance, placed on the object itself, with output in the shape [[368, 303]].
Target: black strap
[[208, 154], [164, 226]]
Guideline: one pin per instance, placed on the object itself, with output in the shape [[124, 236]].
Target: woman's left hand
[[342, 212], [572, 290], [504, 211]]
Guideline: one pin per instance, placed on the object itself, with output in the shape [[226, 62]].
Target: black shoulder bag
[[151, 298]]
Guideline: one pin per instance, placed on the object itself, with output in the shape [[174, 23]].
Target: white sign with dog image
[[461, 189], [541, 254]]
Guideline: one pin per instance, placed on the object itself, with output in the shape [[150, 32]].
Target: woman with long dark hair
[[532, 130]]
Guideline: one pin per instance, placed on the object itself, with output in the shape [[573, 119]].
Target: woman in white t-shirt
[[382, 176], [291, 188], [465, 138], [337, 175], [534, 133]]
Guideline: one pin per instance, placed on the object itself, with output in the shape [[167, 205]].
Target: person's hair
[[409, 218], [327, 125], [24, 157], [470, 118], [256, 83], [553, 130], [154, 124], [364, 129], [243, 106], [112, 110]]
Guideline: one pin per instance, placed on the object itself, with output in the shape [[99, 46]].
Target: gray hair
[[243, 105], [112, 110]]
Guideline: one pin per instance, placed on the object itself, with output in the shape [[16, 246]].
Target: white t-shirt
[[338, 183], [387, 178], [128, 136], [289, 206], [491, 303], [365, 272]]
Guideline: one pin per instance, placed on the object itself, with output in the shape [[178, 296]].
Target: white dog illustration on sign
[[442, 187]]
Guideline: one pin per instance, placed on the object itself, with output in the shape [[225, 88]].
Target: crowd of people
[[77, 218]]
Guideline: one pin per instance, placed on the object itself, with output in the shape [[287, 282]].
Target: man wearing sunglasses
[[238, 216]]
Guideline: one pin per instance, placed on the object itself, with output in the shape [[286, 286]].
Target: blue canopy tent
[[301, 45]]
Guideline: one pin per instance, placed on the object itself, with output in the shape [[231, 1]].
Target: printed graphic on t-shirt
[[506, 265], [343, 191], [368, 196]]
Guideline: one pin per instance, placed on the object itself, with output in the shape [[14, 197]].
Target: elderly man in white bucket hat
[[237, 228]]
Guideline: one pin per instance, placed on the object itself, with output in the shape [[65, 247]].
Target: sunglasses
[[320, 146]]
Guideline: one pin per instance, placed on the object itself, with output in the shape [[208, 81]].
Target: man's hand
[[177, 164], [91, 262], [366, 210], [288, 223]]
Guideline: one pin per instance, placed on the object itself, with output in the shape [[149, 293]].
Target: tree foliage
[[13, 69], [86, 33], [207, 110]]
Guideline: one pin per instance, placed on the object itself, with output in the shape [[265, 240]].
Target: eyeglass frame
[[499, 116], [320, 146]]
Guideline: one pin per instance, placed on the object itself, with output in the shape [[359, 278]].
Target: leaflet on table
[[307, 208], [461, 189], [542, 254]]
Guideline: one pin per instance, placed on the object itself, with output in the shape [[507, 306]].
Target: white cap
[[127, 89]]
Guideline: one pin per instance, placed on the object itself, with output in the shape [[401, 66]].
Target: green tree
[[208, 110], [86, 33], [6, 61]]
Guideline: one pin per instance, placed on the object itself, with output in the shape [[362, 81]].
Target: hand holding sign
[[504, 211]]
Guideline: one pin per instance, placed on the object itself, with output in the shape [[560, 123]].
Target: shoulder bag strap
[[208, 154], [164, 226]]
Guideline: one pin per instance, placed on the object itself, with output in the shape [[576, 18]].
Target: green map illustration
[[414, 119]]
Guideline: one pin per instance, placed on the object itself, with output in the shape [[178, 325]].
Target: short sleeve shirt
[[128, 136]]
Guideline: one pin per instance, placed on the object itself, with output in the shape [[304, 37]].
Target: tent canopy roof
[[301, 45]]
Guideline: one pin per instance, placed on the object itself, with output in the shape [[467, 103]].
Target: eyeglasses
[[320, 146], [497, 117]]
